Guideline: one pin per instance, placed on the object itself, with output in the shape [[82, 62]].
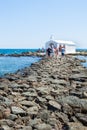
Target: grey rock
[[43, 90], [71, 100], [17, 110], [43, 127], [82, 117], [27, 128], [30, 94], [27, 103], [44, 115], [76, 126], [32, 110], [55, 104], [6, 127], [34, 122], [12, 117]]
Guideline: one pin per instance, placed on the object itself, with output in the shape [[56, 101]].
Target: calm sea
[[16, 51], [82, 57], [12, 64]]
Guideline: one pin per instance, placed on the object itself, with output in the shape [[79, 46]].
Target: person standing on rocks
[[49, 50], [55, 52], [60, 47], [63, 50]]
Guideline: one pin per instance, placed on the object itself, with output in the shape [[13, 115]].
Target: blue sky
[[29, 23]]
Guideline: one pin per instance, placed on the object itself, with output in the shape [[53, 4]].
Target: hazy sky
[[29, 23]]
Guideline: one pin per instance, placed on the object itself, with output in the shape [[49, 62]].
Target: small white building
[[70, 47]]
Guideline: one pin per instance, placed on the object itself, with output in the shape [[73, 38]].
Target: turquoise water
[[83, 58], [81, 50], [12, 64], [17, 51]]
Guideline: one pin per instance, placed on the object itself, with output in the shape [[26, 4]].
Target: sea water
[[15, 51], [12, 64], [83, 58]]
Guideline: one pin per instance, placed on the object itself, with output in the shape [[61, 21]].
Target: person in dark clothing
[[49, 50], [63, 50]]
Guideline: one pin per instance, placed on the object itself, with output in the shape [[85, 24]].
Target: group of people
[[55, 51]]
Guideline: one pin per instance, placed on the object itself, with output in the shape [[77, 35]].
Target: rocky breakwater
[[82, 53], [49, 95], [39, 54]]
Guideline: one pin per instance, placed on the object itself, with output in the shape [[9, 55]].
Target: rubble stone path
[[49, 95]]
